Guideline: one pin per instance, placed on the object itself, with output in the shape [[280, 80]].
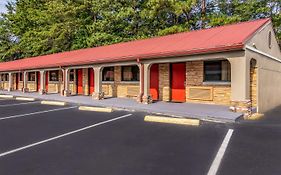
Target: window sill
[[129, 82], [218, 83], [108, 82], [53, 82]]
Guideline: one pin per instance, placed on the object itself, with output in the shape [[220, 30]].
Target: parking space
[[49, 139], [11, 108], [4, 101], [70, 141]]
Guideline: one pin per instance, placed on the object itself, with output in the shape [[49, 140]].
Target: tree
[[39, 27]]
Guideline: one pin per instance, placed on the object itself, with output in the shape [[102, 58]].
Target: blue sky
[[2, 5]]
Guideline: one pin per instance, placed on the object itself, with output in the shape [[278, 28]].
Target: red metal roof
[[217, 39]]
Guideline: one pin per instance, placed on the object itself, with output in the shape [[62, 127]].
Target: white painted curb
[[6, 96], [95, 109], [25, 99], [56, 103]]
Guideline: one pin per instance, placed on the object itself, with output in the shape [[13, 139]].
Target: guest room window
[[31, 76], [71, 75], [54, 75], [130, 73], [108, 74], [217, 71]]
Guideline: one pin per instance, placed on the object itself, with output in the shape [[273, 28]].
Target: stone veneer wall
[[124, 89], [194, 77], [85, 81], [31, 85], [55, 86], [253, 86], [164, 82]]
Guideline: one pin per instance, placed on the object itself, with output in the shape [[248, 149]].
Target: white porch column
[[98, 94], [10, 88], [42, 89], [144, 95], [67, 92], [25, 89], [1, 82], [240, 83]]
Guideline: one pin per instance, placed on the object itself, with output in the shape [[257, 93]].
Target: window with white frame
[[108, 74], [31, 76], [54, 75], [71, 75], [217, 71], [130, 73]]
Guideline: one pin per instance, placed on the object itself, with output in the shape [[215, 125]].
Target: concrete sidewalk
[[190, 110]]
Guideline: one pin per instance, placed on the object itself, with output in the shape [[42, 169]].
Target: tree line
[[39, 27]]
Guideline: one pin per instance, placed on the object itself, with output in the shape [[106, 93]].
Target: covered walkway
[[190, 110]]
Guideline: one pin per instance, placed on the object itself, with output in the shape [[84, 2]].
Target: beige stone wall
[[14, 82], [220, 94], [253, 86], [164, 82], [108, 89], [20, 85], [124, 89], [55, 86], [85, 81], [31, 85], [6, 85], [72, 85]]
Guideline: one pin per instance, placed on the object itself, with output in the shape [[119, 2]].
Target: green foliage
[[38, 27]]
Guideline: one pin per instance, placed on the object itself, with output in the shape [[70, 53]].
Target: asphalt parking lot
[[41, 139]]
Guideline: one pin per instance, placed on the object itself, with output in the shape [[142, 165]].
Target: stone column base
[[241, 106], [139, 98], [10, 89], [147, 99], [24, 90], [67, 93], [98, 95], [42, 91]]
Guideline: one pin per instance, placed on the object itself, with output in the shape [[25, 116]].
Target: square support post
[[98, 94], [240, 84], [144, 95], [25, 89], [10, 88], [42, 89], [67, 92]]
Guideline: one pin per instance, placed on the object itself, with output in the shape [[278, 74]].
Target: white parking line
[[33, 113], [17, 104], [62, 135], [217, 161]]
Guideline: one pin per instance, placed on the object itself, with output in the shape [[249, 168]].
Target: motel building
[[237, 65]]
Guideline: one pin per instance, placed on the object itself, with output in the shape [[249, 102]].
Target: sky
[[2, 6]]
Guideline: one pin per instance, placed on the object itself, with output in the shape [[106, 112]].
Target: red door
[[38, 81], [154, 81], [178, 82], [46, 81], [79, 82], [91, 81]]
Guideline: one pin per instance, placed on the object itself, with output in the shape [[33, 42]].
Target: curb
[[95, 109], [171, 120], [255, 116], [6, 96], [56, 103], [25, 99]]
